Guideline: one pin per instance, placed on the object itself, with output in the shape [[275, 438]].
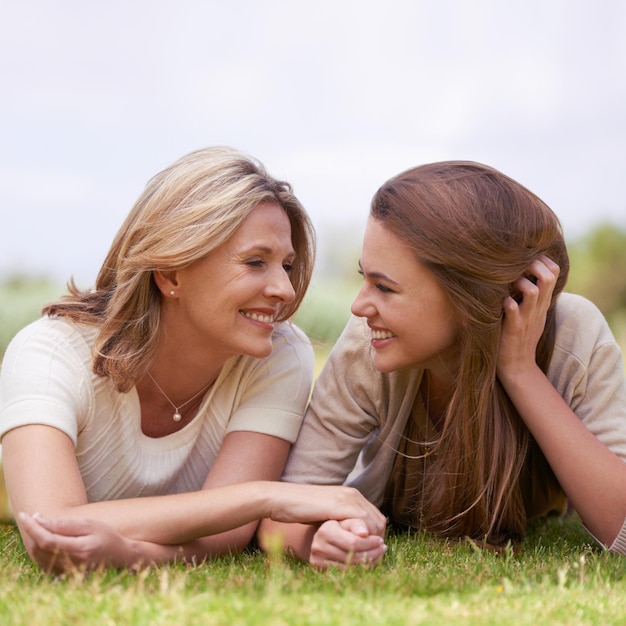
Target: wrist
[[520, 387], [519, 376]]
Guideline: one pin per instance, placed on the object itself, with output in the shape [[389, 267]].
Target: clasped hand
[[64, 545], [346, 542]]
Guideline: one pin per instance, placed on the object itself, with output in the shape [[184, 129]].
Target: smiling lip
[[380, 334], [261, 317]]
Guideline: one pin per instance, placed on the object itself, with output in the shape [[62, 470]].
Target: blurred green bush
[[21, 299], [598, 271]]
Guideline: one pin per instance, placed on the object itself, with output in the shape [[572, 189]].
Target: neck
[[436, 395], [182, 364]]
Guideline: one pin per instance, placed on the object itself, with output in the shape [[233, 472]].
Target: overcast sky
[[334, 96]]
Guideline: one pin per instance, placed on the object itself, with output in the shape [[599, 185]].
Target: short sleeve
[[588, 371], [273, 392], [44, 379], [343, 414]]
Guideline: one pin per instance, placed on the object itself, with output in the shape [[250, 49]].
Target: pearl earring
[[172, 292]]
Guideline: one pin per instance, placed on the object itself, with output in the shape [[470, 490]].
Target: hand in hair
[[524, 321]]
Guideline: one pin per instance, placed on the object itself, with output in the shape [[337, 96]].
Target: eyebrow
[[266, 250], [377, 275]]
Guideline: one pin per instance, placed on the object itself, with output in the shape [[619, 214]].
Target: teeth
[[382, 334], [258, 317]]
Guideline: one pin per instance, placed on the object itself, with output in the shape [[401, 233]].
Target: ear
[[167, 282]]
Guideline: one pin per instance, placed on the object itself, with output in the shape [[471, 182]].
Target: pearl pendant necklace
[[177, 415]]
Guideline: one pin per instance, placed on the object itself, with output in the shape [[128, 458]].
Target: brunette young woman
[[468, 394], [149, 419]]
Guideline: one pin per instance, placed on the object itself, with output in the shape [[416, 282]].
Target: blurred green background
[[598, 272]]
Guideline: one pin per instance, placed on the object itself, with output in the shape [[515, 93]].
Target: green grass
[[557, 577]]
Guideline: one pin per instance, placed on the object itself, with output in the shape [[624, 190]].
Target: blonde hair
[[478, 231], [184, 212]]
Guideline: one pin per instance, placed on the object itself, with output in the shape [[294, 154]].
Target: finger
[[42, 546], [336, 557], [510, 305], [32, 525], [334, 544], [368, 558], [347, 541], [324, 554], [67, 527], [551, 265], [48, 540], [544, 271], [528, 287], [344, 537], [356, 526], [375, 521]]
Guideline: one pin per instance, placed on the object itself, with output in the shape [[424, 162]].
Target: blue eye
[[256, 263]]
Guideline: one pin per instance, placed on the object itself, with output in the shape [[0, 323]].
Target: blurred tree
[[598, 269], [21, 299]]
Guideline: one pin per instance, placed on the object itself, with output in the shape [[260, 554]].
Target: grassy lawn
[[557, 577]]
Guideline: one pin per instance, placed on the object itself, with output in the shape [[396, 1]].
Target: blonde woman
[[148, 420], [468, 394]]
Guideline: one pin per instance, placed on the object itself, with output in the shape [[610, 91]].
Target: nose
[[279, 286], [361, 306]]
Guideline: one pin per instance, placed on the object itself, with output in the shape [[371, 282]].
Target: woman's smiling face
[[228, 301], [410, 315]]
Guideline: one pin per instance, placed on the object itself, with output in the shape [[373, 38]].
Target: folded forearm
[[180, 519], [279, 537], [144, 553]]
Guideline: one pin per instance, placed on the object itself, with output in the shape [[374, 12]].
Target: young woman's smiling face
[[410, 315]]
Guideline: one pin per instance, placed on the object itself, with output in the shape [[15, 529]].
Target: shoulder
[[46, 377], [587, 369], [580, 324], [571, 306], [350, 371], [354, 341], [54, 336], [288, 334], [48, 356], [350, 360], [586, 355], [290, 344], [292, 355]]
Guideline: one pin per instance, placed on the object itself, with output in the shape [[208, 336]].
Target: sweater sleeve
[[46, 378], [587, 369], [270, 397], [342, 414]]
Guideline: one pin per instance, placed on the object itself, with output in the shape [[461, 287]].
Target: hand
[[66, 545], [524, 322], [309, 504], [345, 543]]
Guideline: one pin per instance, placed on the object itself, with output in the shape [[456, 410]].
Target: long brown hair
[[185, 211], [478, 231]]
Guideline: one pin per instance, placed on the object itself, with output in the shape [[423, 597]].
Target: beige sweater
[[47, 379], [357, 414]]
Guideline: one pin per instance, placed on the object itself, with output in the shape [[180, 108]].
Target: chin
[[385, 366], [258, 352]]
